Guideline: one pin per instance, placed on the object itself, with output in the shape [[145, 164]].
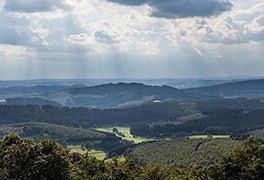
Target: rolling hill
[[57, 132], [30, 92], [233, 89], [29, 101], [111, 95], [119, 95]]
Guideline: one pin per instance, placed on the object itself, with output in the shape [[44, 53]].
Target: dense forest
[[170, 119], [183, 152], [38, 130], [218, 121], [150, 112], [83, 117], [245, 103], [45, 159], [240, 88]]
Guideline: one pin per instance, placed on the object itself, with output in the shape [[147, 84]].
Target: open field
[[100, 155], [120, 159], [77, 148], [127, 134], [2, 100], [205, 136]]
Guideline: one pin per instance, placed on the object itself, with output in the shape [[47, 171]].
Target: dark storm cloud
[[181, 8], [31, 6]]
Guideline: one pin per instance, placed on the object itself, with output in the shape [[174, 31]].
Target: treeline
[[216, 122], [146, 113], [44, 159], [246, 103], [57, 132], [83, 117]]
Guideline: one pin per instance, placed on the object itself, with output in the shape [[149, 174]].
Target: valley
[[151, 124]]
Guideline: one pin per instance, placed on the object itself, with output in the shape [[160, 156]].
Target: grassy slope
[[205, 136]]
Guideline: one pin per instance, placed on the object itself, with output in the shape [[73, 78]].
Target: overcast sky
[[130, 38]]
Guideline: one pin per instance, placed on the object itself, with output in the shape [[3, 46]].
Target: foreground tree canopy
[[45, 159]]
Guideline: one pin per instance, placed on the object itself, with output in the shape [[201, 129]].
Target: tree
[[244, 162], [28, 159]]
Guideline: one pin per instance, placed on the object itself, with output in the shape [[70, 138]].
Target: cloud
[[230, 30], [181, 8], [11, 37], [129, 2], [17, 31], [255, 30], [32, 6], [103, 37]]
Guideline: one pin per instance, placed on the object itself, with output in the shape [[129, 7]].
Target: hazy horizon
[[238, 77]]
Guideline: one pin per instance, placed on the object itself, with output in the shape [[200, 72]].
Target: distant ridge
[[120, 95], [111, 95], [236, 89]]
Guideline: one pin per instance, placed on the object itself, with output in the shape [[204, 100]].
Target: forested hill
[[220, 121], [111, 95], [29, 90], [183, 152], [146, 113], [123, 95], [52, 131], [118, 95], [32, 101], [135, 88], [242, 88], [84, 117]]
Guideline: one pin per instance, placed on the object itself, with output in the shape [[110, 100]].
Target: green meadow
[[100, 155], [206, 136], [126, 132]]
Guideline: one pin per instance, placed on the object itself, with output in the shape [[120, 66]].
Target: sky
[[62, 39]]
